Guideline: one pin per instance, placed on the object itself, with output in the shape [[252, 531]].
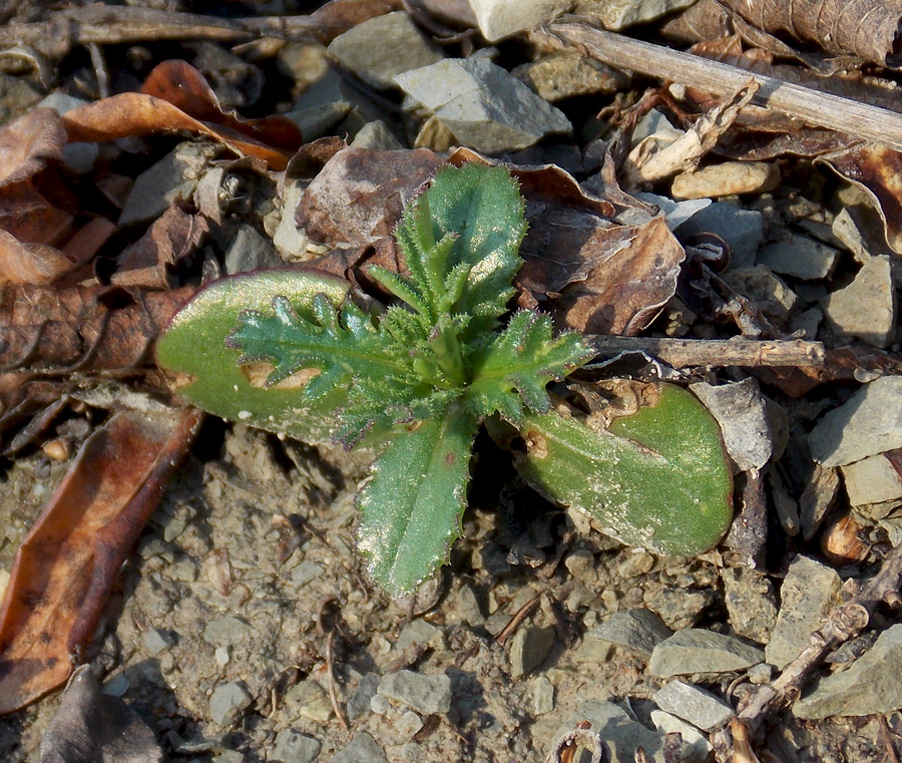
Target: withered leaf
[[865, 28], [36, 264], [47, 331], [67, 564], [603, 278]]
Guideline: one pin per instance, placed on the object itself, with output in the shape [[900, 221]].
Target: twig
[[887, 736], [844, 622], [683, 353], [333, 695], [822, 109], [519, 616]]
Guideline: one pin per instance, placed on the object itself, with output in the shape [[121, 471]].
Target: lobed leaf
[[519, 364], [412, 506]]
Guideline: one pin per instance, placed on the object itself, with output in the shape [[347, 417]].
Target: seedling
[[294, 352]]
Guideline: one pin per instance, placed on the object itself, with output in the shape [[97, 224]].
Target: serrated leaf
[[412, 506], [194, 348], [518, 365], [482, 209], [659, 479]]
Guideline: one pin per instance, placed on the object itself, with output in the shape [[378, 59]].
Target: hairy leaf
[[658, 479], [413, 504], [518, 365]]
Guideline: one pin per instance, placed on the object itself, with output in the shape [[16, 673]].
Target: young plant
[[292, 352]]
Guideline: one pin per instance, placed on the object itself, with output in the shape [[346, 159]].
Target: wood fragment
[[519, 616], [822, 109], [686, 353]]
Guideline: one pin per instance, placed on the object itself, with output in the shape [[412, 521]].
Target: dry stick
[[683, 353], [822, 109], [845, 622]]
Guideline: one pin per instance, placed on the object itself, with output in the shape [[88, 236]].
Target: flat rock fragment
[[228, 701], [362, 749], [799, 257], [870, 686], [725, 179], [568, 75], [871, 480], [696, 746], [382, 47], [764, 289], [745, 418], [429, 695], [866, 308], [741, 228], [694, 650], [693, 704], [294, 747], [620, 14], [529, 648], [486, 107], [809, 591], [502, 18], [751, 603], [870, 422], [638, 630]]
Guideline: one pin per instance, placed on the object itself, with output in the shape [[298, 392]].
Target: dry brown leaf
[[54, 332], [611, 279], [36, 264], [173, 236], [129, 114], [30, 147], [865, 28], [66, 566], [184, 86]]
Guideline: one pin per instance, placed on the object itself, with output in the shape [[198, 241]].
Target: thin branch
[[684, 353], [822, 109]]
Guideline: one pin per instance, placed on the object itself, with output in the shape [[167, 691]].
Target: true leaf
[[658, 479], [413, 504]]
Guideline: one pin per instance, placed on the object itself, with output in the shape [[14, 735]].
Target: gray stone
[[429, 695], [248, 250], [377, 136], [322, 106], [620, 14], [409, 724], [228, 702], [871, 480], [469, 607], [420, 633], [870, 422], [638, 630], [542, 696], [809, 591], [362, 749], [695, 705], [751, 603], [569, 74], [799, 257], [157, 641], [485, 106], [305, 572], [529, 648], [290, 240], [174, 176], [694, 650], [696, 746], [382, 47], [229, 756], [742, 229], [746, 420], [765, 290], [804, 325], [678, 607], [502, 18], [359, 704], [866, 308], [620, 734], [226, 630], [294, 747], [870, 687]]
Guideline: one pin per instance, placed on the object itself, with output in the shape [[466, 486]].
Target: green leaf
[[519, 364], [659, 479], [208, 376], [413, 504], [470, 222]]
